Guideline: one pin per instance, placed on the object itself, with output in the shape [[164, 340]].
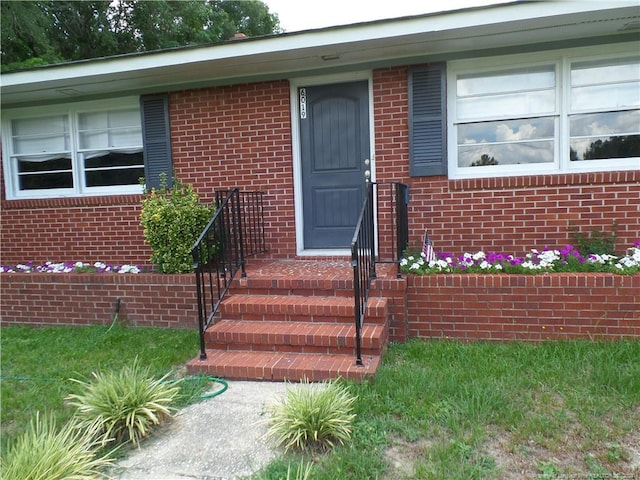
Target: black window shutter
[[156, 136], [427, 121]]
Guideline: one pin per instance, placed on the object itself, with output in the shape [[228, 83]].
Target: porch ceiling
[[382, 43]]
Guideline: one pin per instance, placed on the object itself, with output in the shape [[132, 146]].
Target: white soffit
[[360, 44]]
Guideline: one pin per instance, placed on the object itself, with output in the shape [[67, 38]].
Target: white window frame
[[72, 112], [563, 60]]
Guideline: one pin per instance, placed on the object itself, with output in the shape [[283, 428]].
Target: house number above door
[[303, 103]]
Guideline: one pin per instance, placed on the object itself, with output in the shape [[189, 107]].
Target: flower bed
[[70, 267], [567, 259], [548, 294]]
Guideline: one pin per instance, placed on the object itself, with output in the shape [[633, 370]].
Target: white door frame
[[294, 84]]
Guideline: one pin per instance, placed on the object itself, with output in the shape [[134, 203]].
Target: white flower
[[129, 269], [478, 255], [403, 262], [415, 266]]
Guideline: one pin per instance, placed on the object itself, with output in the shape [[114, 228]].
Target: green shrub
[[124, 405], [596, 241], [44, 453], [173, 219], [312, 417]]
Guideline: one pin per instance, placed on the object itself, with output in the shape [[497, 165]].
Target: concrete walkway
[[220, 438]]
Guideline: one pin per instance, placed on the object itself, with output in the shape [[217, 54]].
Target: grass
[[435, 410], [37, 364], [448, 410]]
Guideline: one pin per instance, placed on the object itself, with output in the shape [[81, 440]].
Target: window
[[555, 113], [91, 148], [604, 119]]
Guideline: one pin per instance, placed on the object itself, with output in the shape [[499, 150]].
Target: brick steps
[[291, 321], [300, 337], [297, 308], [277, 367]]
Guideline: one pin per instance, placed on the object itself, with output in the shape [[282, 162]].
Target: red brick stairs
[[292, 321]]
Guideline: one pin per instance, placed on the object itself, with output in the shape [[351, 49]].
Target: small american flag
[[427, 249]]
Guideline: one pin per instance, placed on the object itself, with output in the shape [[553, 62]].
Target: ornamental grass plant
[[316, 417], [44, 452], [123, 406]]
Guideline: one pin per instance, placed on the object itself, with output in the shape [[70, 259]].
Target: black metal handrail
[[235, 231], [367, 247]]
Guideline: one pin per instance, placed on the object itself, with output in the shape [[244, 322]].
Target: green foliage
[[301, 472], [173, 219], [58, 30], [30, 385], [598, 242], [45, 453], [124, 406], [452, 410], [313, 417]]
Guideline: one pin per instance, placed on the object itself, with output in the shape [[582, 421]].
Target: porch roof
[[480, 31]]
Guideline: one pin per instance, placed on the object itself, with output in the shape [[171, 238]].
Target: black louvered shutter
[[156, 136], [427, 121]]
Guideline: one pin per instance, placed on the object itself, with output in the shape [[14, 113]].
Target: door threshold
[[325, 252]]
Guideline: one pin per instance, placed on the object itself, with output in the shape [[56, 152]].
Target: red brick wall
[[241, 136], [509, 214], [464, 307], [524, 307], [73, 229], [82, 299]]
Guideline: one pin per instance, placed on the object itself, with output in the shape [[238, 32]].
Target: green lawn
[[446, 410], [436, 409], [38, 362]]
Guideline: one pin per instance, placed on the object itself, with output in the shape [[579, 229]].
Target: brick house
[[509, 123], [234, 119]]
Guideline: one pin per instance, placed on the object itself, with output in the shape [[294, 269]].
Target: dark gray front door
[[334, 137]]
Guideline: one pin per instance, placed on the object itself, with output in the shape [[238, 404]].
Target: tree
[[24, 36], [484, 160], [623, 146], [41, 32]]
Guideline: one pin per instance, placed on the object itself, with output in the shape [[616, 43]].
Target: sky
[[296, 15]]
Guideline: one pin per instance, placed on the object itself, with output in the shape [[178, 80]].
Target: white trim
[[71, 110], [284, 55], [562, 58], [369, 31], [294, 84]]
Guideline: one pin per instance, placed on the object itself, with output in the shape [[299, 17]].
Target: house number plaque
[[303, 103]]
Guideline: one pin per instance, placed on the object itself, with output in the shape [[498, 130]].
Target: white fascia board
[[326, 37]]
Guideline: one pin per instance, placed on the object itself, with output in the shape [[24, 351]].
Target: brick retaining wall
[[465, 307], [80, 299], [524, 307]]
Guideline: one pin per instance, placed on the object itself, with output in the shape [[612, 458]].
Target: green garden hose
[[224, 384]]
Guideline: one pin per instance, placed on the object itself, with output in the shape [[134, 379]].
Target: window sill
[[548, 180], [49, 202]]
